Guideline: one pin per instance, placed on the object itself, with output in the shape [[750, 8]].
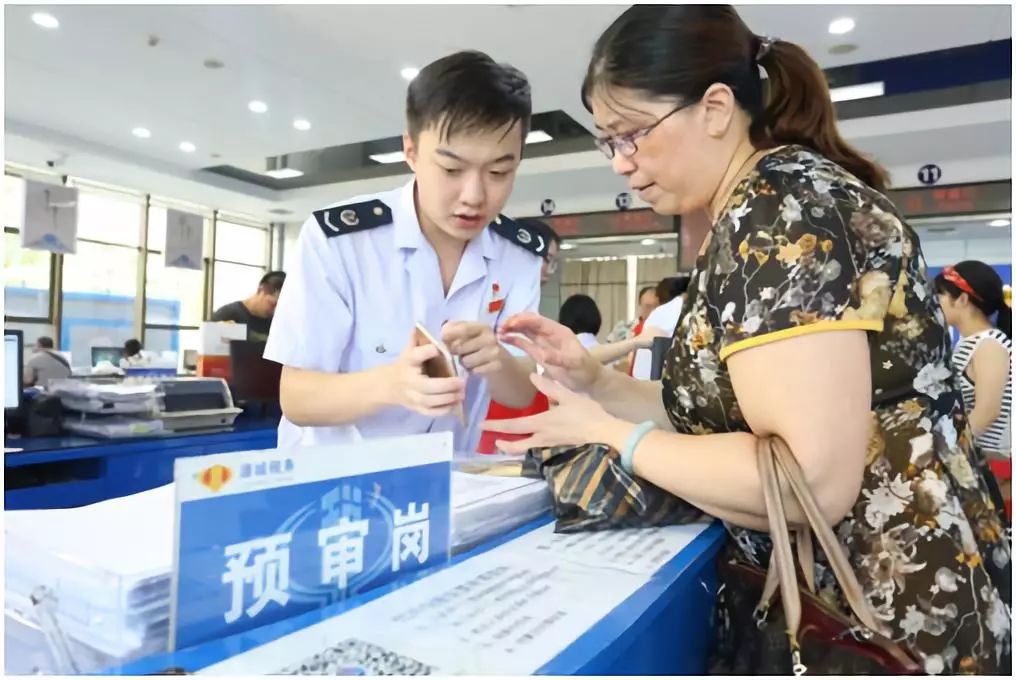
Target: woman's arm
[[989, 368], [611, 352], [624, 397], [790, 388]]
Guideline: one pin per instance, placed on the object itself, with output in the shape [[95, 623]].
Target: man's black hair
[[671, 287], [271, 282], [132, 347], [44, 342], [467, 92]]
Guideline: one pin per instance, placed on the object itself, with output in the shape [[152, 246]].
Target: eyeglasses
[[625, 144]]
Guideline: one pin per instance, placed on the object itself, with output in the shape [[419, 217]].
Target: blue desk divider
[[262, 536]]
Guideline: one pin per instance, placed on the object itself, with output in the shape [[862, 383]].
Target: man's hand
[[411, 389], [475, 345]]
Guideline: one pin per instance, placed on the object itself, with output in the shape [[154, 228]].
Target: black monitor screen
[[13, 355]]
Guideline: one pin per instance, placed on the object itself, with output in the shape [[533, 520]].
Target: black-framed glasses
[[625, 144]]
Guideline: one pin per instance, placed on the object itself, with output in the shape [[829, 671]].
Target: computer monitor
[[252, 378], [14, 351], [110, 354]]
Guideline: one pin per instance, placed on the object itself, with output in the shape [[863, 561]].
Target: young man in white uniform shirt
[[435, 252]]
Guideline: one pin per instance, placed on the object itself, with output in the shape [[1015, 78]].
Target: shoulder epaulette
[[353, 217], [521, 235]]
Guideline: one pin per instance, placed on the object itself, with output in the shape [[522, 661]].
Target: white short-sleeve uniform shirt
[[364, 275]]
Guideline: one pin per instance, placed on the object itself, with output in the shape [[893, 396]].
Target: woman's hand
[[554, 347], [575, 420]]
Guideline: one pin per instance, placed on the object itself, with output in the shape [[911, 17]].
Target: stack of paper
[[108, 566], [109, 410], [486, 506]]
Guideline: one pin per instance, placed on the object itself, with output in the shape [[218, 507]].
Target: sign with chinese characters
[[265, 535], [51, 218], [184, 239], [613, 223], [957, 199]]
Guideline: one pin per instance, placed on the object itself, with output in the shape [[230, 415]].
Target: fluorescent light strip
[[862, 91], [284, 173], [537, 136], [393, 157]]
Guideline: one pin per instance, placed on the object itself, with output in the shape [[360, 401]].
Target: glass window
[[237, 243], [31, 331], [176, 340], [26, 279], [234, 282], [109, 218], [14, 202], [99, 289], [173, 296]]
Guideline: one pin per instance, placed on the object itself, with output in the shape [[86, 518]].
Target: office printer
[[192, 403]]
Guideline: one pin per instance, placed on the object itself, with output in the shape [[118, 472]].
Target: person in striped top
[[977, 305]]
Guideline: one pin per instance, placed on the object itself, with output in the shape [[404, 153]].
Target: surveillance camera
[[547, 207], [51, 164], [623, 201]]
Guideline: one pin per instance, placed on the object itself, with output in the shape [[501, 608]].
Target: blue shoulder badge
[[346, 219], [521, 235]]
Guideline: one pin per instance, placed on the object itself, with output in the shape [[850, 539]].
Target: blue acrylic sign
[[266, 535]]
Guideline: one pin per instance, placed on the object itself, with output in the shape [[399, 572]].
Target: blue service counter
[[663, 628], [71, 471]]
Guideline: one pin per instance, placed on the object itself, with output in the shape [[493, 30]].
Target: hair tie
[[764, 46], [1007, 296]]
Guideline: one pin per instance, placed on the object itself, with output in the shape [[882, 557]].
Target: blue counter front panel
[[68, 472]]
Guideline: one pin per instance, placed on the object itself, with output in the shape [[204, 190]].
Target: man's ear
[[409, 149]]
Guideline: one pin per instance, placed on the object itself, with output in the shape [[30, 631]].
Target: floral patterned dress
[[803, 246]]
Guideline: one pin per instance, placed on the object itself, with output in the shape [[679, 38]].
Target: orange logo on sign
[[215, 477]]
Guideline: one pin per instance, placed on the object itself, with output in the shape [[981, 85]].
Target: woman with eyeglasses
[[977, 305], [810, 316]]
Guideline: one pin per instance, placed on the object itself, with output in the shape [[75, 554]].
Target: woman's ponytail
[[798, 110]]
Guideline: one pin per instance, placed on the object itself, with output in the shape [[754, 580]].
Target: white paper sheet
[[507, 611]]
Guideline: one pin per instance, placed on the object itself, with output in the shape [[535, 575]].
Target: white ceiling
[[80, 89]]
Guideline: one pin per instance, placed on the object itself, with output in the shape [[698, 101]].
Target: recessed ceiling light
[[143, 133], [301, 124], [649, 242], [537, 136], [187, 147], [257, 106], [284, 173], [567, 246], [841, 26], [45, 20], [998, 223], [393, 157], [862, 91], [409, 72]]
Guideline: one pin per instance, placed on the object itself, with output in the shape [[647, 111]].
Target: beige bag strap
[[775, 460], [832, 547]]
